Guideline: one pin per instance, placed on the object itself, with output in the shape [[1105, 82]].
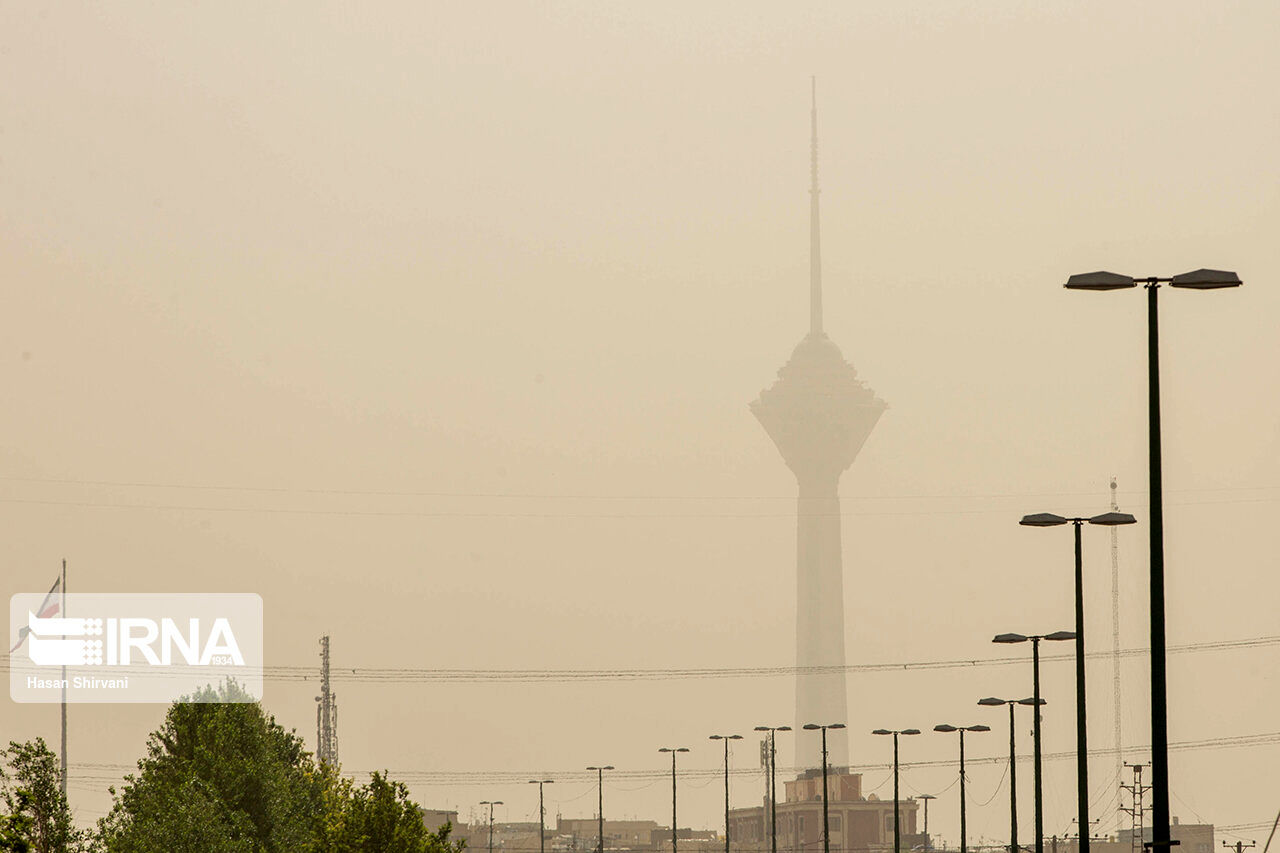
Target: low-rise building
[[857, 824]]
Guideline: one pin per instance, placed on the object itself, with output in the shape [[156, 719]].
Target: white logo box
[[134, 647]]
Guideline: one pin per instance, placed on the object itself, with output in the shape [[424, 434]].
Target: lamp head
[[1042, 519], [977, 728], [1206, 279], [992, 701], [910, 732], [1113, 519], [811, 727], [1061, 635], [1100, 281], [882, 732], [1009, 638], [945, 727], [1030, 700]]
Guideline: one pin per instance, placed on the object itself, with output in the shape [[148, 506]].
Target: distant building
[[857, 824], [433, 819], [1191, 838]]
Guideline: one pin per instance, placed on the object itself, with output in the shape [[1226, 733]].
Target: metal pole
[[673, 801], [826, 832], [1082, 747], [897, 837], [600, 778], [491, 828], [928, 845], [1035, 678], [773, 785], [963, 841], [542, 823], [726, 795], [1159, 709], [63, 613], [1013, 785]]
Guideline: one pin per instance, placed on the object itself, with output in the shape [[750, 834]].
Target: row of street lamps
[[1202, 279]]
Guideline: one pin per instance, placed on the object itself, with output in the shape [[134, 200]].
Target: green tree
[[379, 817], [219, 775], [36, 815]]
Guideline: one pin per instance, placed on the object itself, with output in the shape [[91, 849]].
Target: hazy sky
[[467, 302]]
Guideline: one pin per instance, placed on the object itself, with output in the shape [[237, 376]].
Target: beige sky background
[[466, 303]]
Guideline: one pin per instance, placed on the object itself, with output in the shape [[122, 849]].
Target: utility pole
[[1240, 846], [326, 711], [1136, 792]]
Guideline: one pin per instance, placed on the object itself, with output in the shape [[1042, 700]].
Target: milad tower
[[819, 414]]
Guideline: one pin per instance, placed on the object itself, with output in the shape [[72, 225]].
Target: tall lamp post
[[491, 804], [947, 727], [773, 782], [542, 814], [726, 739], [897, 826], [992, 701], [1035, 701], [1108, 519], [673, 750], [600, 780], [1196, 280], [826, 825]]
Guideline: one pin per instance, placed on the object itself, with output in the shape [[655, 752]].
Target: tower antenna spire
[[815, 239]]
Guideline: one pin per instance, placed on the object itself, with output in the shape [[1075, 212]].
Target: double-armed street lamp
[[947, 727], [1202, 279], [897, 825], [726, 739], [826, 825], [673, 750], [542, 814], [992, 701], [600, 811], [1107, 519], [773, 782], [491, 804], [1036, 703]]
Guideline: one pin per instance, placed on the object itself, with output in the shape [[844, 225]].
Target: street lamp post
[[926, 797], [1036, 703], [947, 727], [726, 739], [992, 701], [542, 814], [773, 782], [673, 751], [897, 826], [1108, 519], [1196, 280], [826, 826], [600, 816], [491, 804]]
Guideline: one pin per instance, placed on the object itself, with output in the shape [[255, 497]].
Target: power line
[[409, 675], [327, 490]]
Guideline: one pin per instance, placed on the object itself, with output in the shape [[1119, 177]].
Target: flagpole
[[63, 608]]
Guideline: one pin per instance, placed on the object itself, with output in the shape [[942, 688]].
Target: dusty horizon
[[438, 328]]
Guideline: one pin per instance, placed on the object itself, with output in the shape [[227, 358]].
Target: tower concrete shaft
[[818, 414]]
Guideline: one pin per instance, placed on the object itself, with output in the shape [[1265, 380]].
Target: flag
[[49, 607]]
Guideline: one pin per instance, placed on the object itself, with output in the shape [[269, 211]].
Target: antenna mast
[[326, 712]]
